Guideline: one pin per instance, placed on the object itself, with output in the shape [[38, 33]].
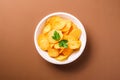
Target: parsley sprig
[[56, 36], [63, 43]]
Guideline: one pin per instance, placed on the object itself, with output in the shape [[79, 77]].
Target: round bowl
[[75, 54]]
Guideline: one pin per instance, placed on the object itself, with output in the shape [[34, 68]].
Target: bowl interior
[[75, 54]]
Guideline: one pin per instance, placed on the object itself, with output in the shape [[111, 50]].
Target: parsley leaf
[[56, 36], [63, 43]]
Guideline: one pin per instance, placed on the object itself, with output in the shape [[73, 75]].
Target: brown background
[[19, 59]]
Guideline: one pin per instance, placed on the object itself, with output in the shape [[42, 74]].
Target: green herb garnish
[[63, 43], [56, 36]]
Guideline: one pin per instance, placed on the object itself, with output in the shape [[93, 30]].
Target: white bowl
[[74, 55]]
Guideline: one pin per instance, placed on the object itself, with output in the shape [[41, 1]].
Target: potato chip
[[47, 28], [76, 33], [53, 19], [65, 54], [53, 52], [59, 25], [56, 46], [67, 26], [62, 57], [43, 39], [73, 26], [67, 51], [74, 44], [69, 37]]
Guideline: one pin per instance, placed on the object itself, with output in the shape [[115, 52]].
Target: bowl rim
[[44, 19]]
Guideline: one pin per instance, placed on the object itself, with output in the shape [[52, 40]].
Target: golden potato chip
[[73, 26], [56, 46], [55, 22], [53, 19], [43, 39], [47, 28], [59, 25], [67, 51], [62, 57], [53, 52], [76, 33], [67, 26], [74, 44], [69, 37], [51, 34]]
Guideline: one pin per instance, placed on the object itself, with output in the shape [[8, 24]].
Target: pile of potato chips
[[59, 37]]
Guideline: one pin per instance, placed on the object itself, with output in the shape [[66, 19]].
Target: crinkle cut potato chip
[[60, 38]]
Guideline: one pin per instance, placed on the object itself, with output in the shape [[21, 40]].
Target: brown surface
[[19, 59]]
